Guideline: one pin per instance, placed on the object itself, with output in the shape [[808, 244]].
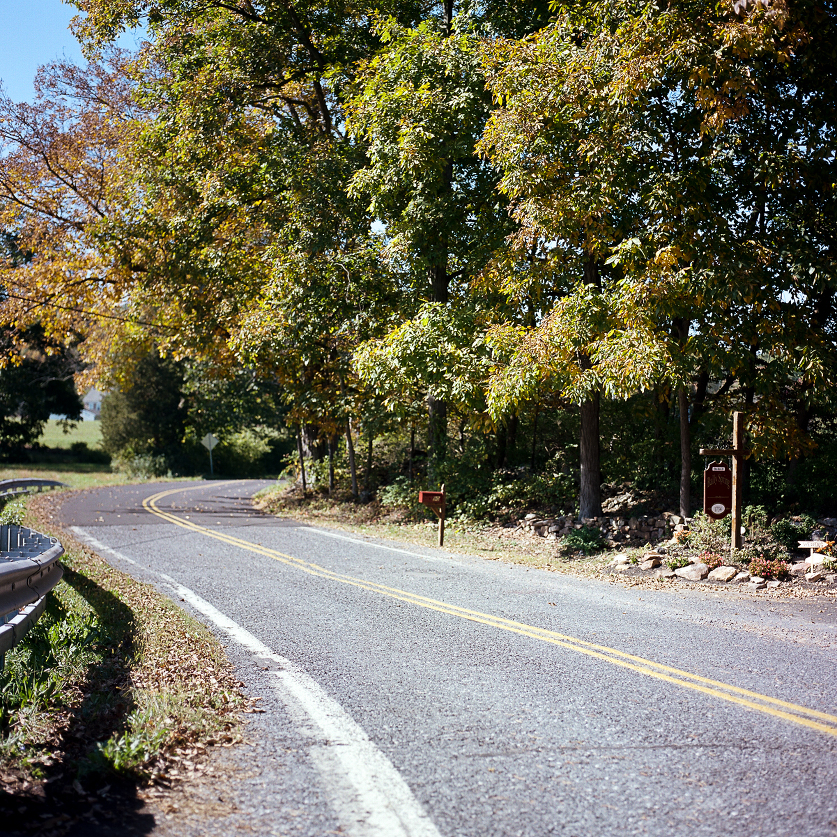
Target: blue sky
[[35, 32]]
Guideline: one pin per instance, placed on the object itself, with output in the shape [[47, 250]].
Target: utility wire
[[6, 295]]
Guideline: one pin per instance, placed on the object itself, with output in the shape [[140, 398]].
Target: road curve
[[413, 692]]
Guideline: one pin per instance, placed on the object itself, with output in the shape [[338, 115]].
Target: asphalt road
[[414, 692]]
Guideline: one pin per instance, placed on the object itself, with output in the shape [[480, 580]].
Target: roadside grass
[[88, 432], [115, 684], [493, 542]]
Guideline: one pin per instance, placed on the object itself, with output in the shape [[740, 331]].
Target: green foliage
[[13, 512], [677, 562], [36, 380], [789, 531], [708, 534], [55, 651], [401, 493], [586, 540]]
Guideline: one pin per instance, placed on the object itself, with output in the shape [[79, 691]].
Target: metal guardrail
[[9, 488], [29, 569]]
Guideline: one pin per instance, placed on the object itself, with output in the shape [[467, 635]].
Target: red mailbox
[[435, 501]]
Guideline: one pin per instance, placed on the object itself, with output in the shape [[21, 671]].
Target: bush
[[141, 466], [588, 540], [789, 531], [708, 534], [677, 563], [767, 568]]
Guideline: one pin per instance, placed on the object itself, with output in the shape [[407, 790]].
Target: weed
[[676, 563]]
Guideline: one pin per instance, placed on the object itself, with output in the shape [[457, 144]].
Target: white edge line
[[377, 545], [384, 805]]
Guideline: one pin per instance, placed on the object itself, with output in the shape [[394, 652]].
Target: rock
[[773, 583], [652, 554], [757, 583], [742, 577], [723, 574], [814, 575], [694, 572], [798, 568], [814, 562], [530, 516], [621, 558], [757, 579], [621, 568], [650, 563], [665, 572]]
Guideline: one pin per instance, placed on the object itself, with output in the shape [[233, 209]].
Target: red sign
[[434, 500], [717, 490]]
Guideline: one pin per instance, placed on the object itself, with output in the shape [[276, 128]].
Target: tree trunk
[[590, 500], [412, 451], [301, 458], [685, 453], [437, 431], [681, 328], [368, 480], [534, 437], [590, 494], [331, 446], [351, 448]]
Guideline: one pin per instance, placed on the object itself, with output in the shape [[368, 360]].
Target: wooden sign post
[[736, 452], [435, 501]]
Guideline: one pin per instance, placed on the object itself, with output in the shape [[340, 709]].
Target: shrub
[[682, 536], [587, 540], [767, 568], [708, 534], [677, 563], [789, 531], [711, 559]]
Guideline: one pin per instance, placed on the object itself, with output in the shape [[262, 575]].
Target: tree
[[147, 416], [36, 381], [623, 135]]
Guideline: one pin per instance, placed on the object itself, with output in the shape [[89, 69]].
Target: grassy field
[[72, 474], [89, 432]]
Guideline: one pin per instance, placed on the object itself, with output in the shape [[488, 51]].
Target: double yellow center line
[[811, 718]]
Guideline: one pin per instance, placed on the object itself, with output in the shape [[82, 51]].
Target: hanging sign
[[717, 490]]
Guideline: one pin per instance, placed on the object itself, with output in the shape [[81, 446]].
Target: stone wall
[[617, 530]]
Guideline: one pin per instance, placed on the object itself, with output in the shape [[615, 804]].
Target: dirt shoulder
[[115, 697]]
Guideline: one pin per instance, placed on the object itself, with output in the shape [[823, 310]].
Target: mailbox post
[[435, 501], [736, 452]]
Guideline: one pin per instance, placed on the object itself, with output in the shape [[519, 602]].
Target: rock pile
[[617, 531]]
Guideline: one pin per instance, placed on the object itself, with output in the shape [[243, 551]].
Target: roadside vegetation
[[115, 687]]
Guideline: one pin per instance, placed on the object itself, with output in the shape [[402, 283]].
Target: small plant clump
[[769, 568], [587, 540], [682, 536], [711, 559], [677, 562]]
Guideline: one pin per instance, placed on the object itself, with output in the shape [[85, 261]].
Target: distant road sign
[[209, 441]]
